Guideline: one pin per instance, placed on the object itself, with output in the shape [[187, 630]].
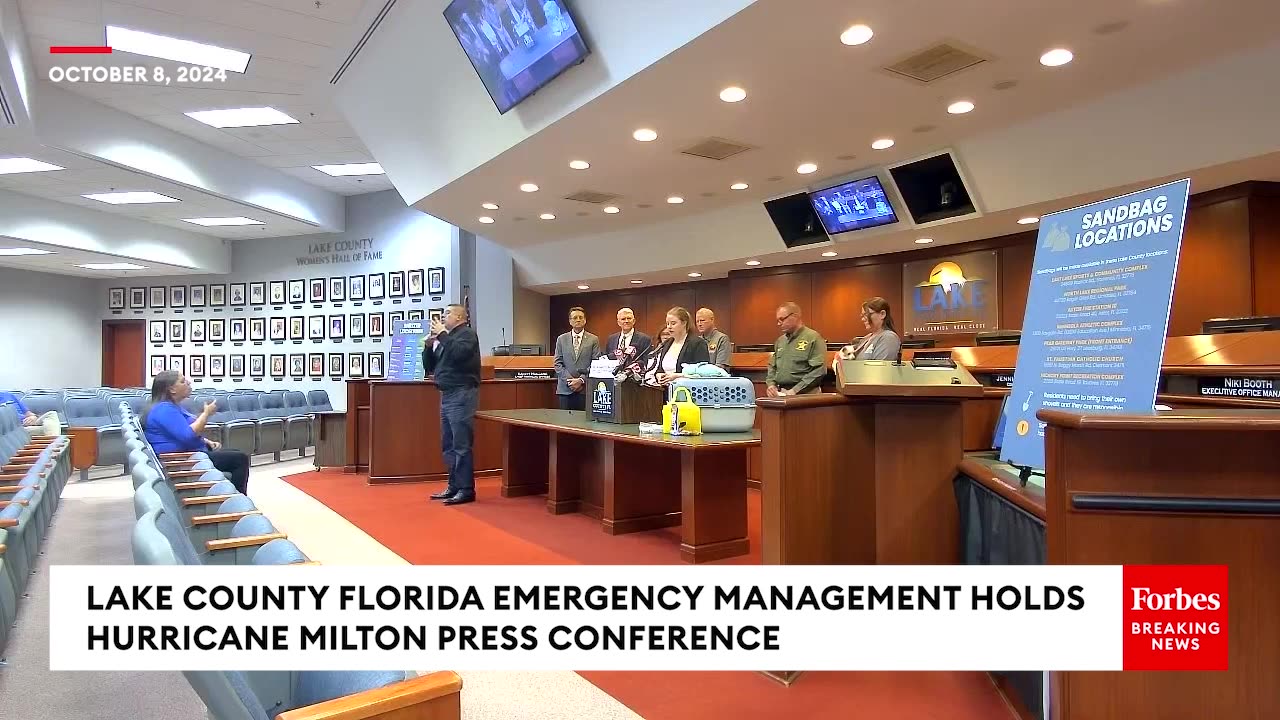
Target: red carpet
[[519, 531]]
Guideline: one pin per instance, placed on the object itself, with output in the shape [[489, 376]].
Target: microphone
[[504, 336]]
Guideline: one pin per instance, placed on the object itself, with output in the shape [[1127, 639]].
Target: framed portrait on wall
[[115, 299], [277, 366], [417, 314], [157, 365], [355, 287], [217, 330], [177, 330], [195, 366], [277, 292], [257, 293], [435, 314], [298, 290], [337, 327], [355, 325], [338, 289], [374, 324], [297, 365], [237, 366], [278, 329], [257, 329], [392, 318], [257, 365], [196, 296], [315, 327], [297, 330], [415, 283], [137, 298], [395, 284], [376, 360], [435, 281], [238, 297], [237, 329], [156, 331], [197, 331], [159, 297], [317, 290], [377, 290], [177, 296], [218, 295], [178, 363], [315, 363], [335, 364], [355, 365], [217, 366]]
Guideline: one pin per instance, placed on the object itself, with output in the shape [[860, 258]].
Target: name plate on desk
[[887, 378], [530, 374], [1256, 388]]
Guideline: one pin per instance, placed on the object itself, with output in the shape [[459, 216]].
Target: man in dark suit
[[451, 355], [628, 343], [574, 352]]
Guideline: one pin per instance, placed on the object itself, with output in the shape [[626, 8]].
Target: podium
[[623, 402]]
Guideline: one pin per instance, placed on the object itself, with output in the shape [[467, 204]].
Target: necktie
[[577, 344]]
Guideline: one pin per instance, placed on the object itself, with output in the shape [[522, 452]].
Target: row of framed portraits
[[297, 327], [373, 286], [295, 365]]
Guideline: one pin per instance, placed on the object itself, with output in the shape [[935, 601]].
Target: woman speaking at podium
[[680, 347], [881, 341]]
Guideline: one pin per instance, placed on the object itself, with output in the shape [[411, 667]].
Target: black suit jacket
[[694, 351], [457, 363], [639, 341]]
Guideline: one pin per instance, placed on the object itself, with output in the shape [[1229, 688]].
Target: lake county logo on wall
[[958, 294], [602, 400]]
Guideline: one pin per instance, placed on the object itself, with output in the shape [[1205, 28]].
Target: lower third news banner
[[142, 618]]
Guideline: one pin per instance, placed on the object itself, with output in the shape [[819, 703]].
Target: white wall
[[532, 312], [51, 329], [406, 240], [491, 296]]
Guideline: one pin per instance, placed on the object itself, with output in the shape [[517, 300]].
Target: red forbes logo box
[[1175, 617]]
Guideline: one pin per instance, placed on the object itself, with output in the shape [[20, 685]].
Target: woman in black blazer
[[681, 347]]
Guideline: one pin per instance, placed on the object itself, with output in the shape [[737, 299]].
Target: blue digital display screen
[[516, 46], [854, 205]]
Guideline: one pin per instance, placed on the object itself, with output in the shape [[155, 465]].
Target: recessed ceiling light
[[960, 107], [733, 94], [486, 219], [1056, 57], [856, 35], [18, 252], [111, 266], [675, 200], [528, 187], [695, 274], [547, 216], [11, 165], [223, 221], [584, 287], [923, 241], [806, 168], [645, 135], [611, 209], [1028, 221], [241, 117], [882, 144], [579, 164], [753, 263], [739, 186], [167, 48], [130, 198], [489, 206], [636, 282], [829, 253], [350, 169]]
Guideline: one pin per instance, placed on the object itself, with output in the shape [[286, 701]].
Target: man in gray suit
[[574, 352]]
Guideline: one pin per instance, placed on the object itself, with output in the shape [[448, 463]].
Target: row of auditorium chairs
[[34, 472], [205, 521], [253, 421]]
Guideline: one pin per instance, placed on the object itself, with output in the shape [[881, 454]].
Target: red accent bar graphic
[[79, 50]]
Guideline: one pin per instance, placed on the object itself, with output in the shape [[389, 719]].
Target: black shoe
[[461, 498], [444, 494]]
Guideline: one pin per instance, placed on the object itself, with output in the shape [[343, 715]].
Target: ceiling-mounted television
[[796, 221], [855, 205], [516, 46]]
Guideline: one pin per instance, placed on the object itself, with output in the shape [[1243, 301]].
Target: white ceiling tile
[[339, 11]]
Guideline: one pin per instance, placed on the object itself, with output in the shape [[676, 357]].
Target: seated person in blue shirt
[[46, 425], [169, 428]]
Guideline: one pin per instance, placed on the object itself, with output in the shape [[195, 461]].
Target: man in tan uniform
[[799, 359]]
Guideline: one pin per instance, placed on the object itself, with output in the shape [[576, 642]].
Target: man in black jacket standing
[[451, 356]]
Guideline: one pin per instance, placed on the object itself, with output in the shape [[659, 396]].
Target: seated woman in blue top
[[169, 428]]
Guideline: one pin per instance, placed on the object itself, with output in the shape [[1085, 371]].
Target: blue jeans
[[457, 431]]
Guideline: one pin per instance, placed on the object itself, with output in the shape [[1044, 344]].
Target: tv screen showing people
[[516, 46], [853, 205]]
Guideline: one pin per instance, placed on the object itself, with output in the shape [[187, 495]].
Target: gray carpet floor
[[91, 527]]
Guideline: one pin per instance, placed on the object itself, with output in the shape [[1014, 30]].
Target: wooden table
[[630, 481]]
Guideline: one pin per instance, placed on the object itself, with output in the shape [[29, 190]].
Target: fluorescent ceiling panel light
[[131, 198], [242, 117], [111, 266], [350, 169], [167, 48], [18, 252], [223, 221], [9, 166]]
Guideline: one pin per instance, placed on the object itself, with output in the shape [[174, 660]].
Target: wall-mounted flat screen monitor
[[856, 205], [516, 46]]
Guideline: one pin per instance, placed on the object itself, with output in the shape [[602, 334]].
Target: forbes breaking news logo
[[1175, 617]]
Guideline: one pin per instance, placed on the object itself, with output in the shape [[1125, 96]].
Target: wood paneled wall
[[1230, 258]]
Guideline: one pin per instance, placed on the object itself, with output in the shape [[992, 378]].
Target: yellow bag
[[681, 416]]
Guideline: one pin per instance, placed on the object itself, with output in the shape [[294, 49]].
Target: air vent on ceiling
[[716, 149], [591, 196], [936, 62], [368, 33]]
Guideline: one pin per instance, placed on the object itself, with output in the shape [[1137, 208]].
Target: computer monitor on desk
[[928, 374]]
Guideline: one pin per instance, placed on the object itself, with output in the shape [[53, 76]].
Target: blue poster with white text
[[1097, 312], [407, 340]]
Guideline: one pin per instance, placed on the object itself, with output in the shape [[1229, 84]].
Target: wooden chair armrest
[[28, 452], [185, 473], [194, 485], [2, 548], [180, 455], [444, 686], [8, 523], [240, 542], [16, 468], [7, 503], [205, 500], [12, 476], [178, 464], [222, 517], [17, 488]]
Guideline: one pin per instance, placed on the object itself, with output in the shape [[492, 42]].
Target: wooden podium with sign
[[624, 402]]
